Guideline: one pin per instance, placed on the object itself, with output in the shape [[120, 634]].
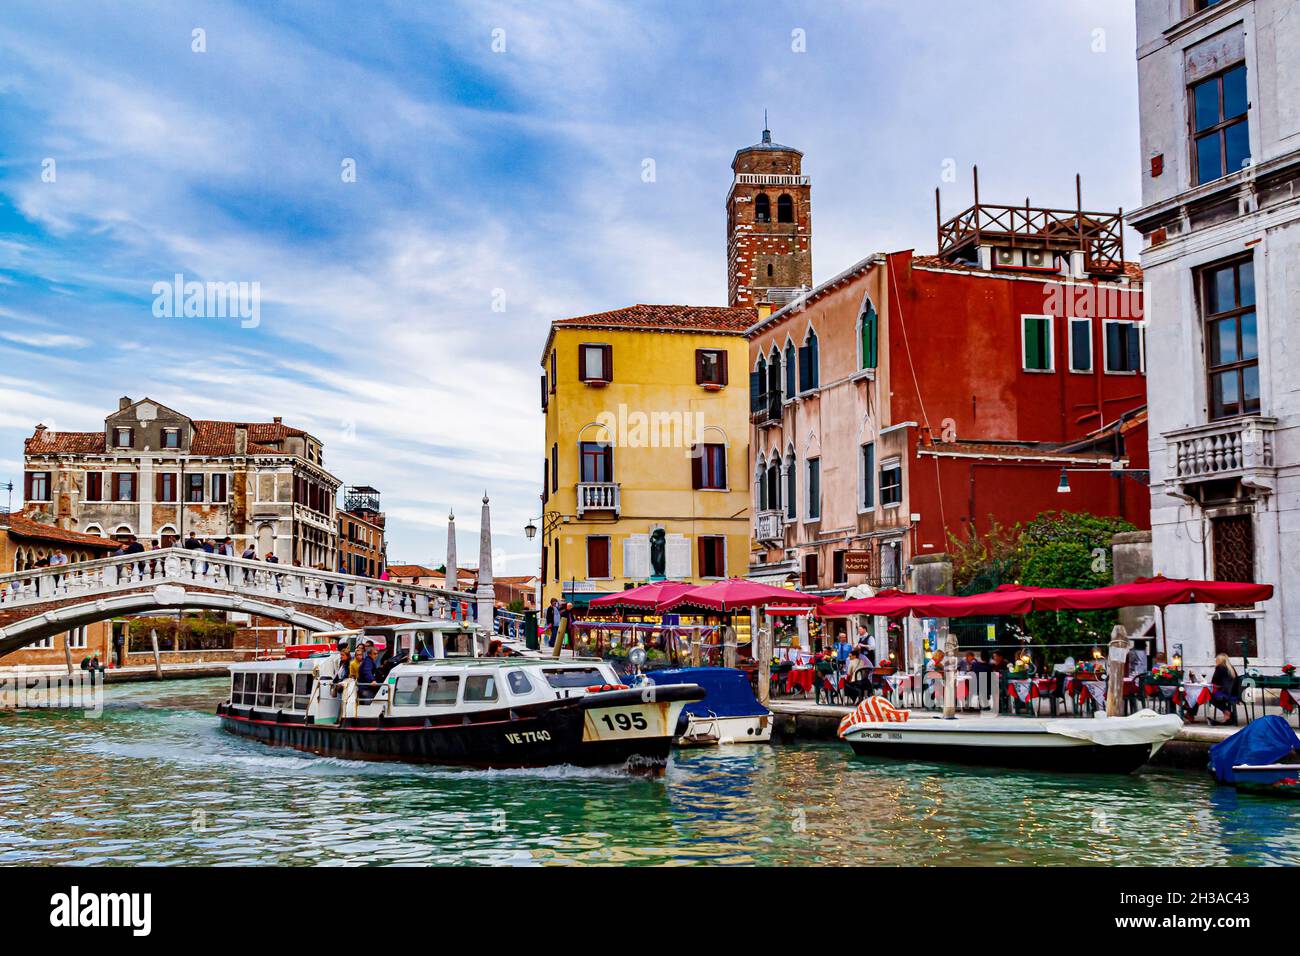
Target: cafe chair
[[1227, 704]]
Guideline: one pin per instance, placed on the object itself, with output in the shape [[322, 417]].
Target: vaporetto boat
[[1067, 745], [444, 703]]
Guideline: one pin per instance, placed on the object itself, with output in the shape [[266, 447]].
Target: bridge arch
[[164, 597]]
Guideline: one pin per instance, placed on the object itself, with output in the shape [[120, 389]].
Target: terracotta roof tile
[[670, 318], [22, 526], [210, 438], [411, 571]]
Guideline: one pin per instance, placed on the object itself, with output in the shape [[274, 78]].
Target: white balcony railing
[[1240, 448], [597, 496], [769, 526]]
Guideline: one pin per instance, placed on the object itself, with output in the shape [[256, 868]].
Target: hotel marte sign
[[857, 562]]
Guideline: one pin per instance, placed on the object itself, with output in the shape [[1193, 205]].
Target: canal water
[[153, 780]]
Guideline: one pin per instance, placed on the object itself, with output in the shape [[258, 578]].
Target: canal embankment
[[192, 670]]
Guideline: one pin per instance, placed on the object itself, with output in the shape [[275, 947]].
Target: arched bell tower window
[[762, 208], [784, 208]]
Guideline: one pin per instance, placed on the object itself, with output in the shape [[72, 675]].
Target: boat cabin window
[[283, 692], [238, 682], [519, 683], [442, 691], [408, 691], [302, 691], [480, 687], [574, 677], [264, 689]]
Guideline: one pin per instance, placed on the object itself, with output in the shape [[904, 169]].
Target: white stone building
[[157, 474], [1219, 89]]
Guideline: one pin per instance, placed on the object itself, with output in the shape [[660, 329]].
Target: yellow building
[[647, 432]]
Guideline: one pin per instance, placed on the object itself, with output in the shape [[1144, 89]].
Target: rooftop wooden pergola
[[1099, 235]]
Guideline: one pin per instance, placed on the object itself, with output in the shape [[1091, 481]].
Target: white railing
[[1240, 448], [769, 526], [106, 576], [770, 179], [597, 496]]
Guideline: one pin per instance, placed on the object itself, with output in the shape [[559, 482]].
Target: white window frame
[[49, 486], [171, 430], [77, 639], [212, 498], [1142, 346], [1092, 347], [105, 485], [44, 644], [1051, 345], [888, 464]]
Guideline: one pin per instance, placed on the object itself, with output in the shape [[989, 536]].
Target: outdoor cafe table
[[1287, 686], [1193, 693], [1076, 687], [961, 684], [799, 679], [1028, 689], [900, 684]]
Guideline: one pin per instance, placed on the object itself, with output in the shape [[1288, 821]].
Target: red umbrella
[[645, 597], [889, 602], [1159, 591], [737, 593]]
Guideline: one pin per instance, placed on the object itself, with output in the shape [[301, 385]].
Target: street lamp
[[1141, 475], [1063, 487], [530, 530]]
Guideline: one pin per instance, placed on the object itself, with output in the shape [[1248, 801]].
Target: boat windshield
[[568, 677]]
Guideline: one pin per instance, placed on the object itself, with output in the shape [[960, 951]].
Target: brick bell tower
[[769, 226]]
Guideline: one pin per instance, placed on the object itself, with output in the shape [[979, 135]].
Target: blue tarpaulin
[[728, 693], [1260, 742]]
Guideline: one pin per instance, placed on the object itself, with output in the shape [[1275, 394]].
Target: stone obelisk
[[486, 592], [450, 581]]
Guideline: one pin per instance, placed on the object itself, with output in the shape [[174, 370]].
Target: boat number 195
[[625, 722]]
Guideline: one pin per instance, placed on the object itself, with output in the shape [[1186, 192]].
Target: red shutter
[[697, 466], [607, 366], [722, 366], [702, 555], [582, 363], [158, 487], [27, 485], [700, 378]]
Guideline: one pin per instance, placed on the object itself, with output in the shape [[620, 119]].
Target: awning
[[736, 593]]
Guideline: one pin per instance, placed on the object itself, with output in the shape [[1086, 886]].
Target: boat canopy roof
[[728, 690], [1261, 742]]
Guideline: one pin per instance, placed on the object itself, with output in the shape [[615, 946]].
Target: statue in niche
[[658, 552]]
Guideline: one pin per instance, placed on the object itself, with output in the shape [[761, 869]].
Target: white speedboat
[[1083, 745], [441, 702], [729, 712]]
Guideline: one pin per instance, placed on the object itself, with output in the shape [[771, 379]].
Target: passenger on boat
[[345, 668], [423, 652], [368, 673]]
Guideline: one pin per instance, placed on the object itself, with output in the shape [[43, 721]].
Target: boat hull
[[575, 731], [1003, 742], [713, 731]]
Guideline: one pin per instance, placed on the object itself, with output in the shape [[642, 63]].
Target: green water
[[153, 780]]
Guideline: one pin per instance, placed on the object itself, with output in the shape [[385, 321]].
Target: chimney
[[278, 420], [124, 403], [241, 440]]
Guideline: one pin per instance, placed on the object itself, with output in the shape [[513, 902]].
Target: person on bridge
[[192, 543]]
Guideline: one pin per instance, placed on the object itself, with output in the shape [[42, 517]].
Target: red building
[[912, 397]]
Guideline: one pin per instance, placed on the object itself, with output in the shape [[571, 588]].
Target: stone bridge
[[43, 602]]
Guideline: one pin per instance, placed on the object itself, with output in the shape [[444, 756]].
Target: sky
[[419, 188]]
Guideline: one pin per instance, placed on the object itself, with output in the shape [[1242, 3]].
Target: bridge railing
[[104, 576]]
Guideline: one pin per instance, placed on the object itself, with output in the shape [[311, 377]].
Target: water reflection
[[155, 780]]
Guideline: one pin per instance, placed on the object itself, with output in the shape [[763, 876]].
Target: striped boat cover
[[873, 710]]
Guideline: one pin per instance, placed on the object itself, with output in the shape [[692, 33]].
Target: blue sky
[[482, 176]]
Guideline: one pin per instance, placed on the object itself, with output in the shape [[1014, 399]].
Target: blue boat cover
[[727, 690], [1263, 741]]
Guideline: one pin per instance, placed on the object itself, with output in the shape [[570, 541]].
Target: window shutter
[[636, 556], [721, 475], [27, 485], [722, 366], [158, 487], [813, 366], [755, 390], [805, 368], [702, 554], [677, 557], [543, 391], [700, 374], [582, 363], [869, 475], [607, 366], [697, 466], [608, 453]]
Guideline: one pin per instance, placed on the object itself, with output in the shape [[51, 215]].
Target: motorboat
[[441, 699], [1262, 757], [1069, 745], [729, 712]]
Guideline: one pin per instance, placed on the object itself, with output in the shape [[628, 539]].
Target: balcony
[[597, 496], [1241, 448], [769, 526], [766, 409]]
